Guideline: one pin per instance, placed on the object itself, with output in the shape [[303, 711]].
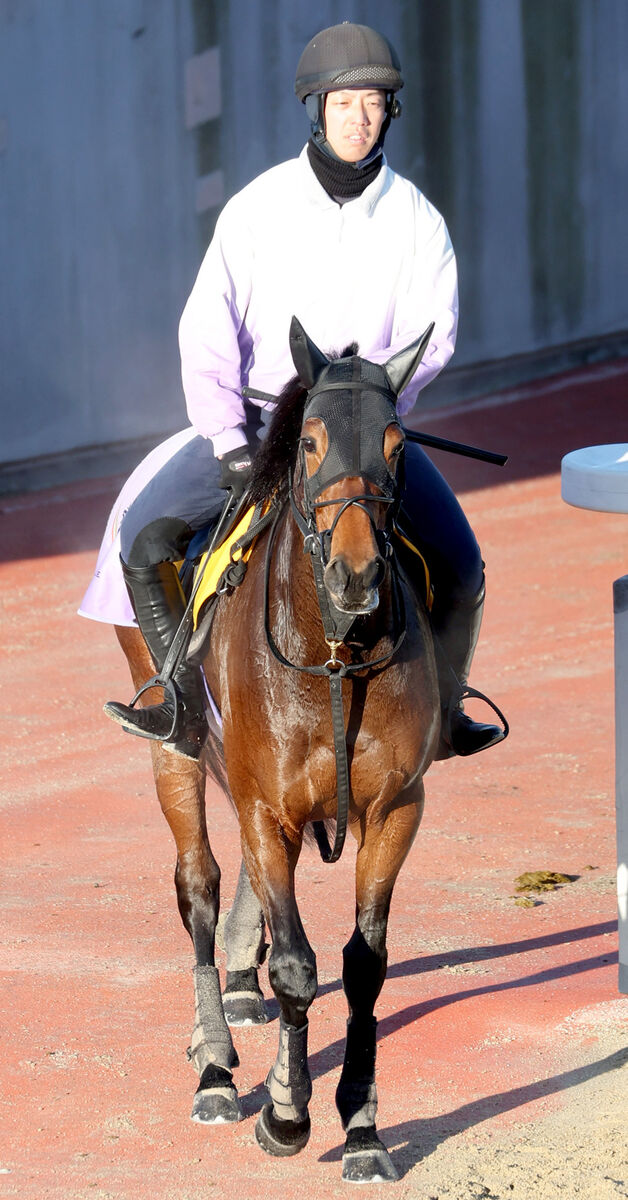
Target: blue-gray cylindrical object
[[620, 605]]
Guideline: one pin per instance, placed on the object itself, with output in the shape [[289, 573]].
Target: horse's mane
[[278, 451]]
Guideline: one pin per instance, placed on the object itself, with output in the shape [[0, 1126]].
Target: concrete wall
[[125, 124], [96, 227], [514, 124]]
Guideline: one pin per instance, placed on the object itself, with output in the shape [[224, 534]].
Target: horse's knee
[[293, 978]]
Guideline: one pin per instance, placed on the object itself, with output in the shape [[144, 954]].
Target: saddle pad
[[211, 567]]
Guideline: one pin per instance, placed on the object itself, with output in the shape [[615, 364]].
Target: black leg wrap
[[356, 1095], [289, 1080]]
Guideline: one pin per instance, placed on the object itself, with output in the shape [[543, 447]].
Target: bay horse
[[331, 468]]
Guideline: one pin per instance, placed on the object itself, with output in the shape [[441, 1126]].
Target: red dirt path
[[493, 1015]]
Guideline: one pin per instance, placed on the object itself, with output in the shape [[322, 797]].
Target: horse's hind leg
[[380, 856], [246, 950], [180, 787]]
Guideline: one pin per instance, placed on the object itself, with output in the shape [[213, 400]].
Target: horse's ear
[[401, 367], [308, 359]]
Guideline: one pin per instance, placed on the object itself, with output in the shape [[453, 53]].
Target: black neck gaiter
[[342, 180]]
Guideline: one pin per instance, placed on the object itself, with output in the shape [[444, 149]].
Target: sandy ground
[[502, 1036]]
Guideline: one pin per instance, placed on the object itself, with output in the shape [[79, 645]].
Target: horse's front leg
[[283, 1127], [382, 850], [181, 791], [180, 787]]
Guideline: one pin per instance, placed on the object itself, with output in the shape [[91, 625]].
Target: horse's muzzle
[[354, 591]]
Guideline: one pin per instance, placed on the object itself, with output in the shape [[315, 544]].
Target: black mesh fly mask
[[356, 404]]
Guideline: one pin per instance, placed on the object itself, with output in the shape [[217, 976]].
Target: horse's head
[[351, 446]]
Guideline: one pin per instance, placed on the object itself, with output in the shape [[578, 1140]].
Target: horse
[[321, 665]]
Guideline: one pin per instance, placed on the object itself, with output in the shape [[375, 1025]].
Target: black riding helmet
[[351, 56]]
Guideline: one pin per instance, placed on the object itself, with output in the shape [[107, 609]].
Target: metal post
[[620, 605]]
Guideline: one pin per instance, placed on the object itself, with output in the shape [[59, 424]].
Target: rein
[[334, 668]]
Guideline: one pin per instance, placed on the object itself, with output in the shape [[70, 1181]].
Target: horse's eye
[[309, 445], [396, 450]]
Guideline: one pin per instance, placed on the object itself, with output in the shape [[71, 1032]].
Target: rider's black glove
[[235, 470]]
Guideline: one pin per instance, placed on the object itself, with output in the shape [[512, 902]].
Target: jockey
[[358, 254]]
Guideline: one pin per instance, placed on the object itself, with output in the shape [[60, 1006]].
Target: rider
[[358, 254]]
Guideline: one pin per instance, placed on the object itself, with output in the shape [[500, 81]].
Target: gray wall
[[124, 124], [96, 227], [514, 124]]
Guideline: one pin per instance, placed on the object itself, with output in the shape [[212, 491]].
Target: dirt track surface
[[501, 1050]]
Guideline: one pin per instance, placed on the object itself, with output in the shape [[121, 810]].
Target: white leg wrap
[[211, 1040], [244, 928]]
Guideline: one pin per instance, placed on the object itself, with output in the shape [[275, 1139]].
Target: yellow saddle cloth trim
[[429, 590], [212, 567]]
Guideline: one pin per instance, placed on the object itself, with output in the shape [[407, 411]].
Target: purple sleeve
[[210, 331]]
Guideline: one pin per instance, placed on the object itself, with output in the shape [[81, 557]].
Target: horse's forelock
[[278, 450]]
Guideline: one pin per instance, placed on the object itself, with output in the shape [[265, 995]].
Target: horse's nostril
[[373, 575], [355, 588], [337, 575]]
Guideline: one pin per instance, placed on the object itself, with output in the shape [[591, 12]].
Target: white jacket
[[376, 270]]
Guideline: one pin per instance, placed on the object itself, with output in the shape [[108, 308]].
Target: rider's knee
[[164, 540]]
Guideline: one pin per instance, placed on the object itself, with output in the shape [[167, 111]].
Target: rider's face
[[353, 120]]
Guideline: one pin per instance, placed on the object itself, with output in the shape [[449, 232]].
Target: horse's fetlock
[[356, 1101], [242, 981], [214, 1076]]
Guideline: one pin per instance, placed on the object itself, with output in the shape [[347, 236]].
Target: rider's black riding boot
[[158, 604], [457, 635]]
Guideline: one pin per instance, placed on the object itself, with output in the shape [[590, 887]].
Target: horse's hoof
[[216, 1101], [244, 1008], [281, 1138], [217, 1106], [366, 1159]]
